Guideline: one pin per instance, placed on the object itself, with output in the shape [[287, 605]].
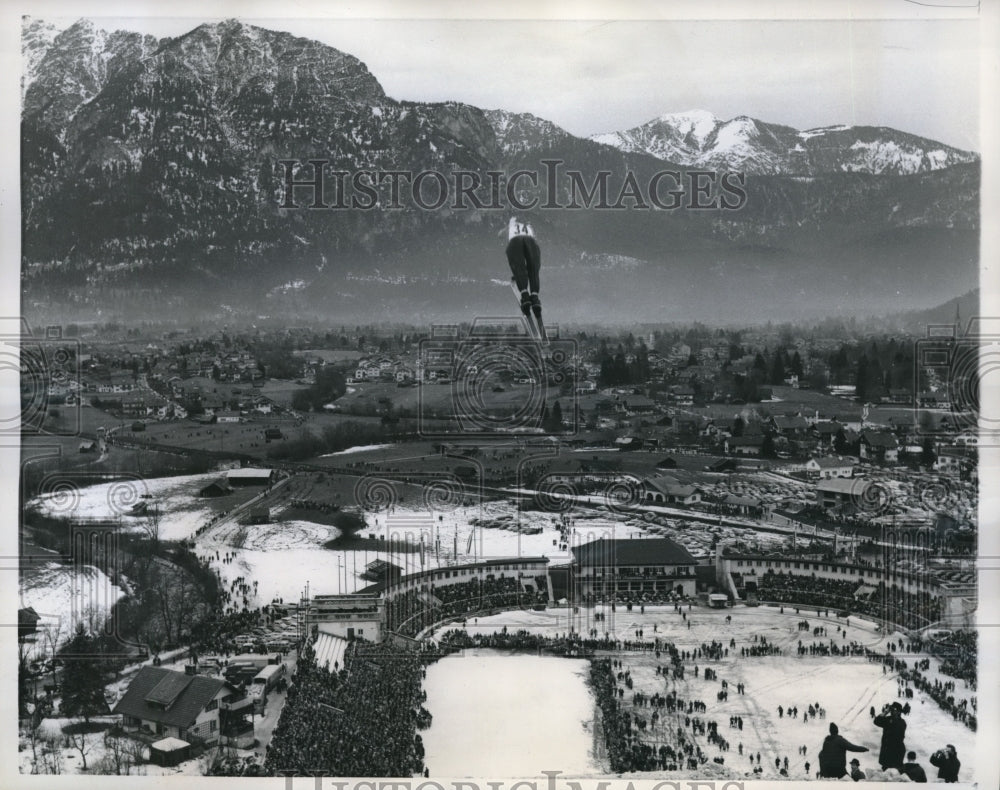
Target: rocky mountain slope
[[153, 183]]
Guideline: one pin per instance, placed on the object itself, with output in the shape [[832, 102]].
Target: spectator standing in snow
[[833, 755], [893, 733], [947, 762], [913, 769]]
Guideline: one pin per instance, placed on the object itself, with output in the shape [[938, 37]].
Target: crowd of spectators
[[627, 751], [958, 652], [359, 721], [881, 601], [410, 612], [914, 677]]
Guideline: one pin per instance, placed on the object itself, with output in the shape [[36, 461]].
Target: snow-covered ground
[[283, 556], [358, 449], [64, 595], [503, 715], [847, 687], [181, 510]]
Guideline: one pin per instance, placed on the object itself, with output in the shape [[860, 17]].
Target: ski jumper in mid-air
[[525, 259]]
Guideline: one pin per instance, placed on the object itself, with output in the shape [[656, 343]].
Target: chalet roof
[[746, 441], [831, 462], [661, 482], [219, 484], [168, 697], [248, 473], [642, 551], [879, 439]]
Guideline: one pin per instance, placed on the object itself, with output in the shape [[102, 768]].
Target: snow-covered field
[[359, 449], [541, 716], [845, 686], [503, 715], [64, 595], [283, 556], [181, 510]]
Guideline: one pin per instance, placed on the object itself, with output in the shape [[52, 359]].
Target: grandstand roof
[[329, 651], [485, 564], [636, 551]]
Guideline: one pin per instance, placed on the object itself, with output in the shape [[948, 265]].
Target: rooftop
[[631, 551], [169, 697]]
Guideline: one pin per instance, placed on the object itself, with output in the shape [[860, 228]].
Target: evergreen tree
[[778, 370], [82, 677], [797, 365], [861, 378]]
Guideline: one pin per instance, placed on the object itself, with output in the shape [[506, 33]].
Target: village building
[[826, 467], [605, 568]]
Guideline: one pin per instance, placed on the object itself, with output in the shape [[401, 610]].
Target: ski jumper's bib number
[[516, 228]]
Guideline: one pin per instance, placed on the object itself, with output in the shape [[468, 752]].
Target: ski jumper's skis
[[540, 328], [532, 327]]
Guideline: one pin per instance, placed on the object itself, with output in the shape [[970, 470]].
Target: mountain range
[[153, 184]]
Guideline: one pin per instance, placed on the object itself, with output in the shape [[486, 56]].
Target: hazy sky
[[599, 76]]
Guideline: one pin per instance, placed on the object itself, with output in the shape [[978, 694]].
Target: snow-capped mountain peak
[[697, 138]]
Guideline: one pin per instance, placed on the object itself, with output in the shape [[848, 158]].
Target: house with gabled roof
[[827, 466], [793, 426], [744, 445], [664, 489], [825, 431], [879, 446], [167, 703]]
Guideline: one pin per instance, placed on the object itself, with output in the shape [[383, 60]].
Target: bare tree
[[34, 737], [51, 762], [118, 757], [151, 526], [136, 751], [53, 636], [78, 740]]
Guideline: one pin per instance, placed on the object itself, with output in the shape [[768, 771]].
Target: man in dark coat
[[947, 763], [833, 755], [913, 769], [893, 732]]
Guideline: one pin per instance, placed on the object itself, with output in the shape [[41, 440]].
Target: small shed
[[169, 751], [218, 487]]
